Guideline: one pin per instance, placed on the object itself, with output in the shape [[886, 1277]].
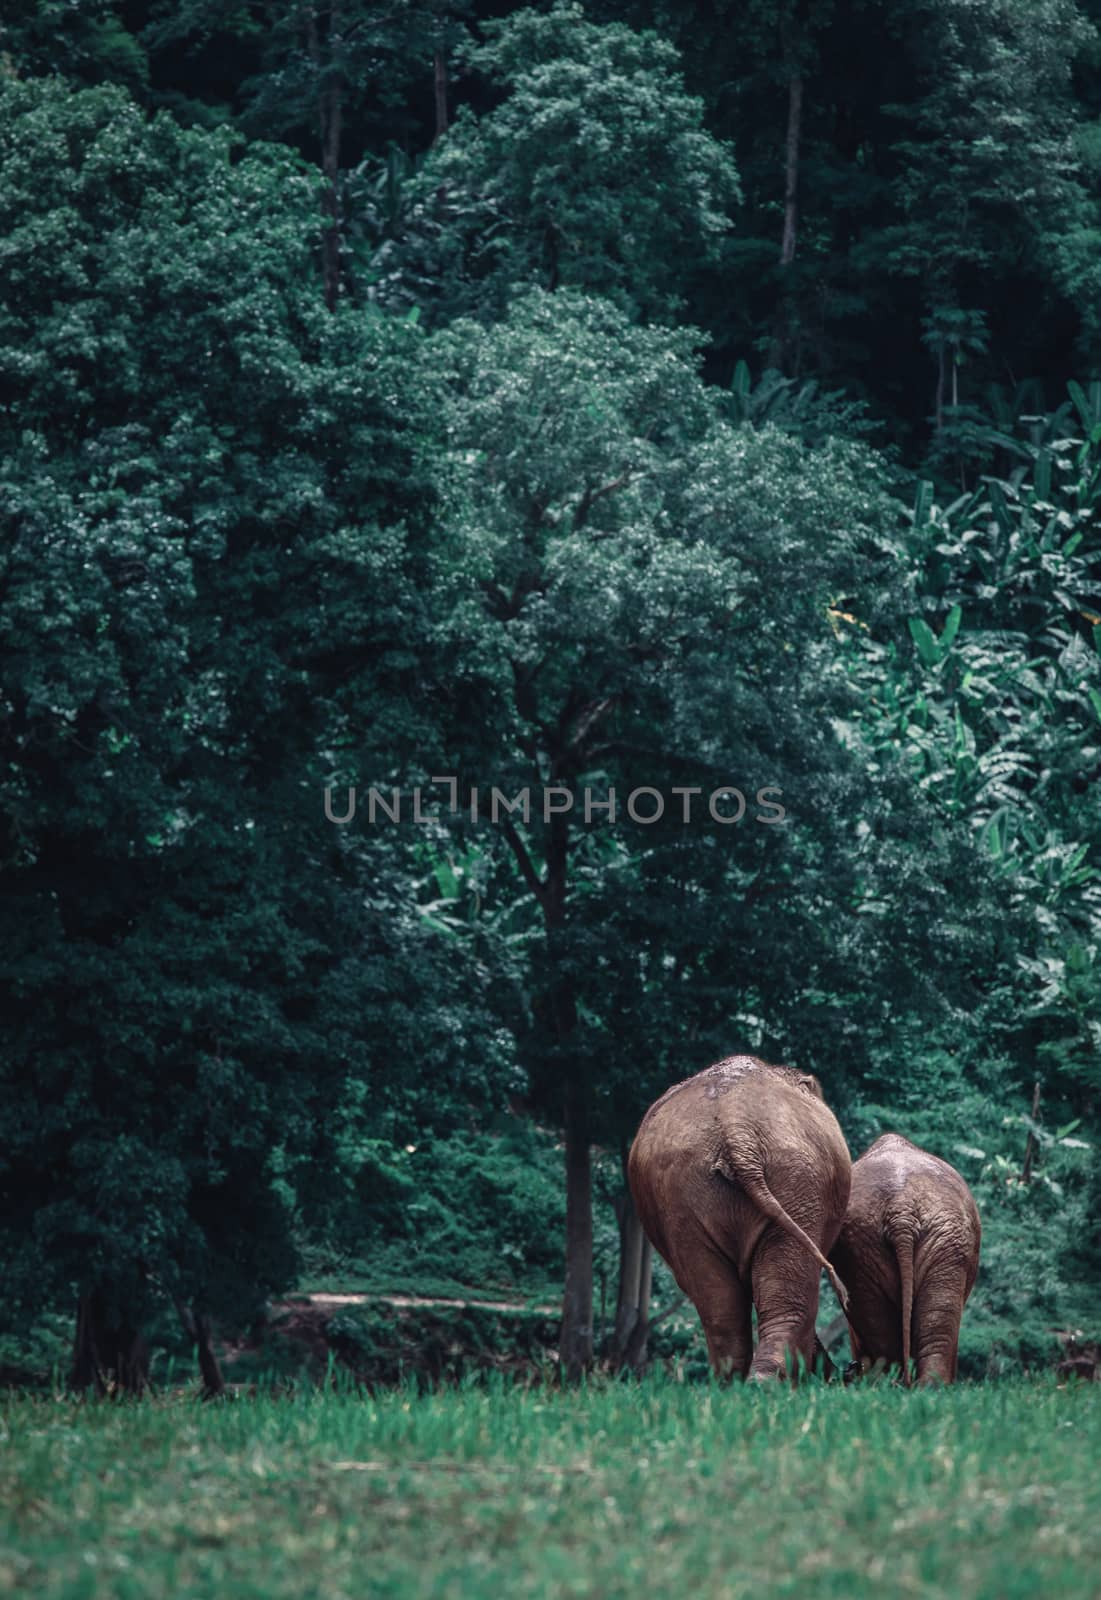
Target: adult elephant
[[740, 1176], [909, 1251]]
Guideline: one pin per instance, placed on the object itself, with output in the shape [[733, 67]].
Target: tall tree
[[214, 513], [594, 171], [646, 594]]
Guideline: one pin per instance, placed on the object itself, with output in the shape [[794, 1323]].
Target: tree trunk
[[635, 1276], [330, 131], [110, 1355], [439, 79], [332, 119], [196, 1324], [780, 352], [630, 1261], [575, 1346], [791, 169], [940, 387], [1030, 1142], [551, 241], [213, 1382], [635, 1355]]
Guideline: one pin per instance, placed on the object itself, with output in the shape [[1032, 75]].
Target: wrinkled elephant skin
[[741, 1179], [908, 1251]]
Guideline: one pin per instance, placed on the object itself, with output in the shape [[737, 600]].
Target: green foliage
[[967, 1108], [594, 172], [294, 65], [993, 141], [476, 1208], [88, 40], [945, 157], [651, 596], [206, 480], [37, 1356], [993, 706], [799, 408]]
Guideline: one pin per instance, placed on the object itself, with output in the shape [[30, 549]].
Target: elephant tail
[[763, 1198], [903, 1242]]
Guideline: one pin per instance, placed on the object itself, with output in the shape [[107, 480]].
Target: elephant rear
[[909, 1250], [740, 1177]]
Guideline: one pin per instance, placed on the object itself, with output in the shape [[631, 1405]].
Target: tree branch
[[591, 496], [652, 1322], [523, 860], [589, 718]]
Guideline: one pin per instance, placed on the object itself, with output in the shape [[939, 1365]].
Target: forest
[[542, 546]]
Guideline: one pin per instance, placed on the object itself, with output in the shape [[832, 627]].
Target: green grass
[[980, 1493]]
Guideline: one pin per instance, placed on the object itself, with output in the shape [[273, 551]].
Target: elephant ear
[[810, 1083]]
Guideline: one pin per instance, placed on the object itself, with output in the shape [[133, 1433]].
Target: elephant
[[909, 1251], [740, 1176]]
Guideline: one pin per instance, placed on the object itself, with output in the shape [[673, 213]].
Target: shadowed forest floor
[[981, 1493]]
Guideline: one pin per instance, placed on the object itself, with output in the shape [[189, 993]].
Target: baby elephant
[[908, 1251]]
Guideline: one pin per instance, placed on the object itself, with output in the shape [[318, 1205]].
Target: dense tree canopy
[[593, 172], [212, 510]]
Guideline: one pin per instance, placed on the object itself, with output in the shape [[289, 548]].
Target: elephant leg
[[938, 1311], [785, 1292], [725, 1310], [728, 1328]]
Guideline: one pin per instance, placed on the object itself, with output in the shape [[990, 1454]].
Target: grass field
[[981, 1493]]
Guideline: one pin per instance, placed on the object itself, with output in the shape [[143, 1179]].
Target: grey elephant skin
[[908, 1251], [740, 1176]]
